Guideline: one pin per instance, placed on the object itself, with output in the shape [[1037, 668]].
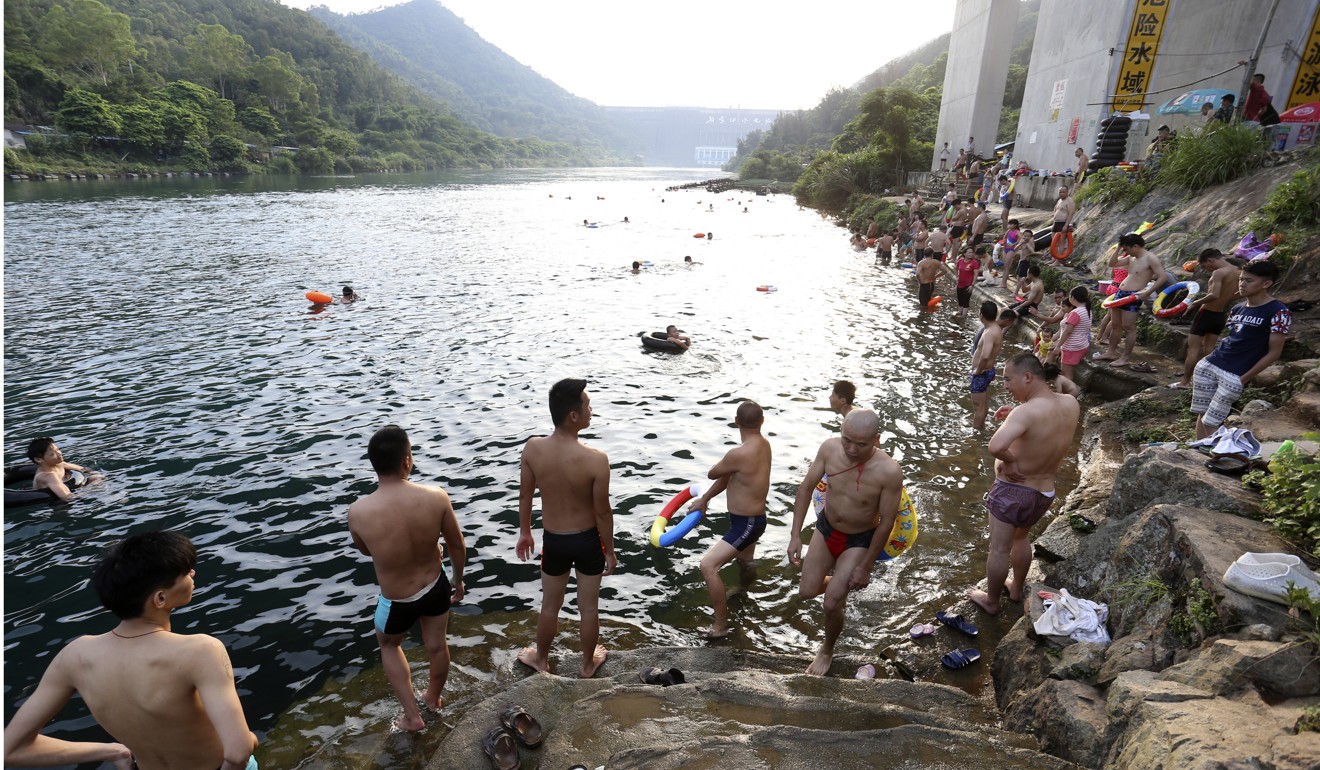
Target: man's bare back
[[929, 269], [569, 476], [987, 349], [399, 526], [1039, 434]]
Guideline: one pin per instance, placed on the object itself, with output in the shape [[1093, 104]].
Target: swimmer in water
[[52, 469], [349, 295]]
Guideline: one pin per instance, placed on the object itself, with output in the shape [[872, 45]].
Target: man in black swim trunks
[[745, 473], [574, 482], [399, 526], [1211, 311]]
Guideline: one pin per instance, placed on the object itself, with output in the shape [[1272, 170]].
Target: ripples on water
[[160, 334]]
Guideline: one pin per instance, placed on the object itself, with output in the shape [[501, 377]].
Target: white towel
[[1081, 620], [1225, 441]]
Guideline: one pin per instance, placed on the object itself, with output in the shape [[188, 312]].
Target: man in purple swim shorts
[[1028, 448]]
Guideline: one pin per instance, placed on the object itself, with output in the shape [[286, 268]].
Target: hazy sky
[[701, 53]]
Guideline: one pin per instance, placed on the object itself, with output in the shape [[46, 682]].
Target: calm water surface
[[157, 329]]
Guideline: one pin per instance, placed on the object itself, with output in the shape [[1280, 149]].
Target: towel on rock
[[1081, 620]]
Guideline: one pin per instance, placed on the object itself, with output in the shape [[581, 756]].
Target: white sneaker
[[1268, 581], [1293, 562]]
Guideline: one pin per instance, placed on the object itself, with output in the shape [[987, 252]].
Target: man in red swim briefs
[[1028, 449], [863, 493]]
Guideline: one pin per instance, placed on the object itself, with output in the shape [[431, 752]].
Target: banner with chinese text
[[1306, 86], [1138, 65]]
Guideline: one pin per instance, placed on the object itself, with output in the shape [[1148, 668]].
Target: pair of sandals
[[956, 658], [501, 743]]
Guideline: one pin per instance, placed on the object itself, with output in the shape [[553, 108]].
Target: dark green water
[[157, 329]]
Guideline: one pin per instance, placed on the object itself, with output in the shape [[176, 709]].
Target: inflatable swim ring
[[901, 537], [1192, 288], [1066, 238], [660, 341], [662, 535], [767, 287], [319, 298], [23, 495], [1115, 301], [906, 264], [934, 302], [699, 235]]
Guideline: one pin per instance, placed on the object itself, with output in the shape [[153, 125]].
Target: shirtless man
[[52, 469], [745, 472], [168, 698], [862, 503], [1211, 311], [884, 248], [920, 237], [574, 482], [1145, 275], [872, 229], [842, 396], [1028, 449], [917, 203], [938, 243], [1082, 163], [985, 350], [677, 337], [1032, 291], [1065, 208], [399, 526], [959, 220], [929, 269], [980, 225]]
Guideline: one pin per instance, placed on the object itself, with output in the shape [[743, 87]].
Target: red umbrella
[[1302, 113]]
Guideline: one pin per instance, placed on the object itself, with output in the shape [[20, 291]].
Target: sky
[[696, 53]]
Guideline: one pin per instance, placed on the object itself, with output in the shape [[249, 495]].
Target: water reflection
[[159, 332]]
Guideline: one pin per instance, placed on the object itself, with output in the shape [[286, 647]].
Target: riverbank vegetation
[[225, 85]]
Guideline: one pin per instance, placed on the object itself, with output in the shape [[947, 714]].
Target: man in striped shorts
[[1256, 331]]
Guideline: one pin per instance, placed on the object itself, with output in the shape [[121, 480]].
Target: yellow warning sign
[[1306, 86], [1138, 65]]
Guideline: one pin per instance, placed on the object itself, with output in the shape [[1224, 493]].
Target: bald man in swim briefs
[[863, 493]]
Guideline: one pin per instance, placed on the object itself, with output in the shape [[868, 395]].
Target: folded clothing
[[1081, 620]]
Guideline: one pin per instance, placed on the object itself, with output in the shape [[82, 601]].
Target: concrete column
[[976, 75]]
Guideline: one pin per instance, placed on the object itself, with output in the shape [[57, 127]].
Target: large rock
[[1158, 476], [1214, 733], [1284, 668], [1067, 717], [1019, 664], [735, 713], [1145, 646]]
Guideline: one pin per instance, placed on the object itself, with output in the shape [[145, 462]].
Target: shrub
[[1219, 155], [1292, 496], [1295, 203], [1112, 185]]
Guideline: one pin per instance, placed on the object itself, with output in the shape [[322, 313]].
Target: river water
[[157, 329]]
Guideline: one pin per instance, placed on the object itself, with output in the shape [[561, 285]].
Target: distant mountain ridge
[[427, 45]]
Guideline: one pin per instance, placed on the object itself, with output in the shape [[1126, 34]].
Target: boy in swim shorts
[[745, 473], [984, 353], [400, 526]]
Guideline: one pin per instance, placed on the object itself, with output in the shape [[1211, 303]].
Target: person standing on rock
[[1211, 311], [574, 482], [400, 526], [1256, 332], [745, 472], [1028, 448], [862, 499], [1145, 275]]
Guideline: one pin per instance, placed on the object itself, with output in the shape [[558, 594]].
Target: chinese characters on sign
[[1137, 67], [1306, 86], [1072, 130]]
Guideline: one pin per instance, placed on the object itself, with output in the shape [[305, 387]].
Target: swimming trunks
[[924, 292], [1025, 310], [561, 551], [1131, 307], [981, 382], [1016, 504], [744, 530], [1209, 322], [956, 231], [394, 616], [838, 542], [964, 297]]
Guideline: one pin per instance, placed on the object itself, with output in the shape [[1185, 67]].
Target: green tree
[[141, 125], [341, 143], [228, 153], [275, 80], [86, 38], [86, 115], [314, 160], [258, 120], [216, 55], [216, 111]]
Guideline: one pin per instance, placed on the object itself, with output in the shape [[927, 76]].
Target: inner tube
[[767, 287], [660, 341], [699, 235], [319, 298], [934, 302], [1117, 301], [663, 535], [1189, 288], [1061, 238], [901, 537], [17, 474]]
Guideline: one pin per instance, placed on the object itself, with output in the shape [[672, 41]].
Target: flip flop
[[653, 675], [523, 726], [866, 672], [499, 745], [921, 629], [1177, 386], [960, 658], [1143, 367], [957, 622]]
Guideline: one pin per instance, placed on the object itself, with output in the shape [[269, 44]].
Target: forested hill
[[222, 85], [430, 47]]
